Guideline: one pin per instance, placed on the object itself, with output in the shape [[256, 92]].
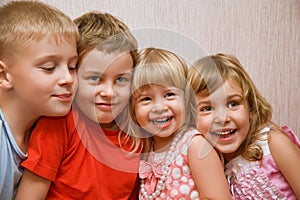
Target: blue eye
[[122, 80], [94, 78]]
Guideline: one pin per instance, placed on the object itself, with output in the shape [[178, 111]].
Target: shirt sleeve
[[47, 147]]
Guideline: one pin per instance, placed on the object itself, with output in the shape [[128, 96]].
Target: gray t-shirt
[[10, 158]]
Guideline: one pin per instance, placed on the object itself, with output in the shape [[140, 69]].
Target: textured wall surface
[[264, 35]]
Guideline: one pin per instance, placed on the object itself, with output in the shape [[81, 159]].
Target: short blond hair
[[104, 32], [22, 22]]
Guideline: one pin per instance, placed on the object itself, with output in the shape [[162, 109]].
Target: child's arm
[[32, 187], [207, 171], [287, 157]]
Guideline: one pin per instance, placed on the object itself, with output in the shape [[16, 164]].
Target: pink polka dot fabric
[[179, 183]]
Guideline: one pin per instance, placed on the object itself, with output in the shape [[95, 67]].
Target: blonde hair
[[209, 73], [24, 22], [106, 33], [159, 66]]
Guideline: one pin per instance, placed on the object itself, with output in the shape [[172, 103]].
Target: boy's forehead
[[99, 61], [60, 38], [52, 38]]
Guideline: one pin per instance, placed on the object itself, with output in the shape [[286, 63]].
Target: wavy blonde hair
[[210, 72]]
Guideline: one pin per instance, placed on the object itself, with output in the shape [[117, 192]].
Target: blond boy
[[38, 57]]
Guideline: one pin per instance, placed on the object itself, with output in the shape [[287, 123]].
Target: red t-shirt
[[81, 160]]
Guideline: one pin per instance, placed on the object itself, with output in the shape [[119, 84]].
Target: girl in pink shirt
[[261, 159]]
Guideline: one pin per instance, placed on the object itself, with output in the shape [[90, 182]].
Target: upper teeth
[[224, 132], [160, 120]]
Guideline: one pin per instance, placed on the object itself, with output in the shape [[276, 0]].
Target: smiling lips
[[64, 97], [161, 122], [105, 106], [224, 134]]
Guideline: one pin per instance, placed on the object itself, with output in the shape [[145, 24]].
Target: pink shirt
[[259, 179], [179, 183]]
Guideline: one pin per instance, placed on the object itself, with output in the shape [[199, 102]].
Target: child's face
[[160, 110], [43, 76], [104, 86], [224, 116]]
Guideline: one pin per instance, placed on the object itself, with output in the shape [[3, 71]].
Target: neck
[[19, 122], [161, 144], [230, 156], [109, 126]]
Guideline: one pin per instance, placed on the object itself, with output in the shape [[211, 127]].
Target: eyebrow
[[45, 58], [126, 73], [53, 57], [204, 102], [234, 95], [227, 98]]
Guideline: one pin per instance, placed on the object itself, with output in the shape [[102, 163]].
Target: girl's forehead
[[229, 87], [233, 83], [155, 88]]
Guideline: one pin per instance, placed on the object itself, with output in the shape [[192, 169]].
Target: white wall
[[264, 35]]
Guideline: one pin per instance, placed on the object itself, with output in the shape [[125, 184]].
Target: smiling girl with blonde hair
[[261, 161]]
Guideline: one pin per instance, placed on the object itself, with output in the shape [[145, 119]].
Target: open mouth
[[161, 121], [224, 134]]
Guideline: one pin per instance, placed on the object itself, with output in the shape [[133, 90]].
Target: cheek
[[84, 88], [203, 124], [84, 94], [140, 115], [123, 93], [75, 84]]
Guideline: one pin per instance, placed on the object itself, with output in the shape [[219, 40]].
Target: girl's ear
[[5, 78]]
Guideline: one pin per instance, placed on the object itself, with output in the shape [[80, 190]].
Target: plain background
[[263, 34]]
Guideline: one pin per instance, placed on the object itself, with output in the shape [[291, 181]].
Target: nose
[[159, 108], [67, 77], [106, 90], [221, 116]]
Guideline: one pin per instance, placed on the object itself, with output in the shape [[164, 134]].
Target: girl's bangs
[[156, 74]]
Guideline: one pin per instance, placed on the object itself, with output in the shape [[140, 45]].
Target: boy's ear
[[5, 79]]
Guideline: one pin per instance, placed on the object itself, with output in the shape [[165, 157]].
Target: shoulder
[[286, 156], [50, 120], [192, 137], [54, 126], [200, 146], [191, 134], [281, 146], [277, 138]]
